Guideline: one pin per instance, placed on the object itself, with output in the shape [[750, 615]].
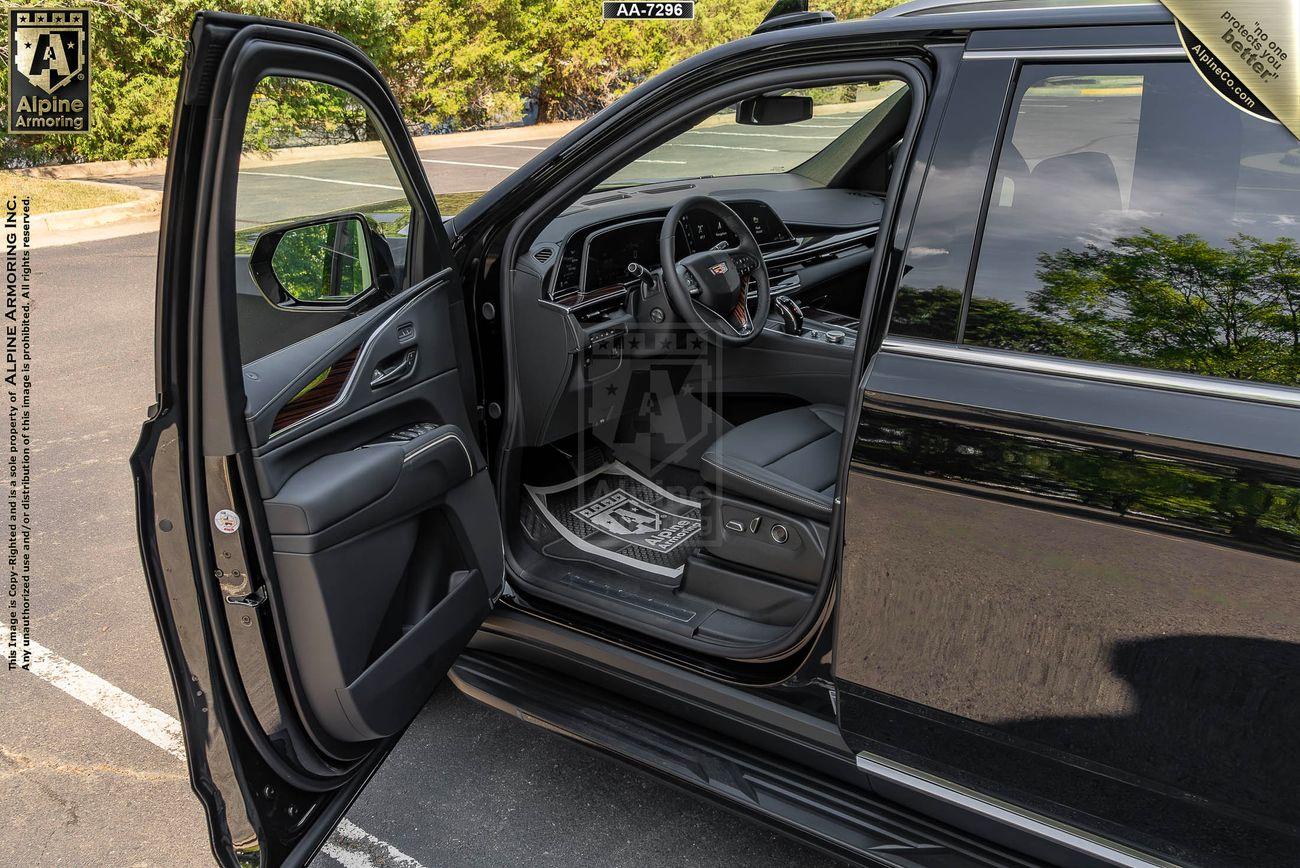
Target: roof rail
[[939, 7]]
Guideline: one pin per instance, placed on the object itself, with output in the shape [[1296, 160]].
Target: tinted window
[[929, 299], [1138, 218]]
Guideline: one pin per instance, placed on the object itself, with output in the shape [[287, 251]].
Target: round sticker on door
[[226, 520]]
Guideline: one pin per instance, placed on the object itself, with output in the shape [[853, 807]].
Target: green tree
[[461, 63], [137, 53], [453, 64]]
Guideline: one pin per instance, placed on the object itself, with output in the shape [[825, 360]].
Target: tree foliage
[[453, 64]]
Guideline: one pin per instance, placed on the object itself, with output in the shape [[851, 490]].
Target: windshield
[[842, 117]]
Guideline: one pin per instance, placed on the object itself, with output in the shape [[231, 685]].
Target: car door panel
[[357, 412], [378, 536], [1077, 592], [341, 538]]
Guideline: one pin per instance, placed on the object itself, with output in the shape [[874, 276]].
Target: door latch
[[252, 600]]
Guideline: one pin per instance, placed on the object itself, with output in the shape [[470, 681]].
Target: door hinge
[[251, 600]]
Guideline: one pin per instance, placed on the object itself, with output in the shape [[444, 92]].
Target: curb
[[288, 156], [147, 203]]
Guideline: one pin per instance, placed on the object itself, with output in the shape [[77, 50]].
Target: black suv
[[889, 428]]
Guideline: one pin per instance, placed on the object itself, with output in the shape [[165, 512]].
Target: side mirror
[[767, 111], [329, 261]]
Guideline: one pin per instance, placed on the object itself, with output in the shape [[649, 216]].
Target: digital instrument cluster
[[600, 258]]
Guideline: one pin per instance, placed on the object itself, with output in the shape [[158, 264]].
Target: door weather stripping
[[1006, 814]]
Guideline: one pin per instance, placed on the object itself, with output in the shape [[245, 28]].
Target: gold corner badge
[[1246, 50], [49, 70]]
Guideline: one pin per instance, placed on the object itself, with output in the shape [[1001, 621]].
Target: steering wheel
[[710, 289]]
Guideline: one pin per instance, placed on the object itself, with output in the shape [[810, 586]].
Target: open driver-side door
[[319, 533]]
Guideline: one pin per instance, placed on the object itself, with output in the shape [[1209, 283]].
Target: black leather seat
[[787, 460]]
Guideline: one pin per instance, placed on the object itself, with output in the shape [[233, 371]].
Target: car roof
[[940, 7], [964, 16]]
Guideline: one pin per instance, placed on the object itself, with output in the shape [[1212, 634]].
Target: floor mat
[[616, 515]]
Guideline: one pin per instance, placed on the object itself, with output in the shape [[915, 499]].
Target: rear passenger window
[[1138, 218]]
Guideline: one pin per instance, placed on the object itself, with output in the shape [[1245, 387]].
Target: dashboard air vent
[[673, 189], [605, 199], [544, 254]]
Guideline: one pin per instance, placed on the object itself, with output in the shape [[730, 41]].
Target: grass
[[454, 203], [49, 195]]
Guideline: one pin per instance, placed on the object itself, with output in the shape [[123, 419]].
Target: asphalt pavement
[[79, 784]]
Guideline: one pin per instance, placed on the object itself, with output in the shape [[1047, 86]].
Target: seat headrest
[[1086, 177]]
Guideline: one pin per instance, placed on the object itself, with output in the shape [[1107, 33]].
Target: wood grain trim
[[317, 395]]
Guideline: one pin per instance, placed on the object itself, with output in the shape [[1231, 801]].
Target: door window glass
[[321, 215], [1137, 218]]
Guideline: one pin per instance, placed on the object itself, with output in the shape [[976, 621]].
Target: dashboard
[[583, 324], [601, 258]]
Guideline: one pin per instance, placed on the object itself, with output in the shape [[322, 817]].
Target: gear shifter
[[791, 314]]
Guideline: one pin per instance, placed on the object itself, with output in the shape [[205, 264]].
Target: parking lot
[[89, 749]]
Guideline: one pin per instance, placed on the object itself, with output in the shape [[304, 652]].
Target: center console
[[811, 325]]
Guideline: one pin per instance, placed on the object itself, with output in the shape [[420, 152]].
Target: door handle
[[391, 373]]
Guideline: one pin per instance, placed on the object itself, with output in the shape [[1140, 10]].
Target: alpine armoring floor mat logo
[[615, 516], [637, 522]]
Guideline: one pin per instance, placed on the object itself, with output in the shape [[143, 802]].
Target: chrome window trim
[[1151, 52], [1109, 852], [1239, 390]]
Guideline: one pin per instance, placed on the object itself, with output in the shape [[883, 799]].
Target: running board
[[843, 821], [1095, 848]]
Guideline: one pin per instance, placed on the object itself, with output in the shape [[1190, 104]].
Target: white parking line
[[762, 135], [349, 845], [452, 163], [719, 147], [117, 705], [322, 180], [663, 162], [459, 163], [354, 847], [521, 147]]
